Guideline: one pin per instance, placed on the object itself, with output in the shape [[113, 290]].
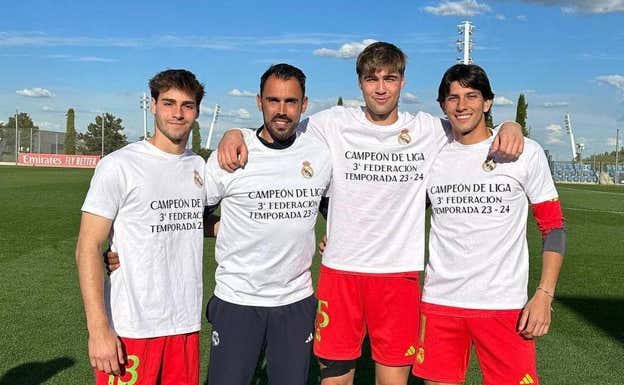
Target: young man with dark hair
[[146, 200], [381, 160], [263, 298], [475, 290]]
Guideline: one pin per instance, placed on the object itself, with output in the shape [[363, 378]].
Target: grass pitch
[[42, 326]]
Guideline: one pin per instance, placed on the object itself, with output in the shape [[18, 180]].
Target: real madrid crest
[[489, 164], [404, 137], [307, 170], [420, 356], [197, 178]]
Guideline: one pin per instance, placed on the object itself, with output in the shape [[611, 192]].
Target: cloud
[[238, 114], [73, 58], [616, 81], [35, 92], [500, 17], [353, 103], [8, 39], [316, 105], [528, 91], [48, 126], [242, 113], [458, 8], [584, 6], [502, 101], [95, 59], [522, 17], [346, 51], [555, 104], [48, 108], [40, 39], [244, 93], [409, 98], [611, 142], [555, 134]]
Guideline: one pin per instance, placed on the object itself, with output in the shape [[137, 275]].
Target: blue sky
[[566, 56]]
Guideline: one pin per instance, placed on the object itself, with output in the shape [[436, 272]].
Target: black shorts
[[240, 333]]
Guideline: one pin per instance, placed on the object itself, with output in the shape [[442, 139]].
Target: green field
[[43, 335]]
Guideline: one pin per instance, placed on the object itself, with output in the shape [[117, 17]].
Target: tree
[[70, 133], [196, 143], [339, 103], [24, 126], [489, 121], [521, 114], [114, 138], [204, 153]]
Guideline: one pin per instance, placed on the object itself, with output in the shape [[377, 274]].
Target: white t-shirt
[[478, 254], [376, 215], [156, 202], [266, 241]]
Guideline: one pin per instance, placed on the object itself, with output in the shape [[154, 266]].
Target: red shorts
[[446, 336], [170, 360], [350, 303]]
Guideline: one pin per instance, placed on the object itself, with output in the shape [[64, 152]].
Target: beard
[[283, 133]]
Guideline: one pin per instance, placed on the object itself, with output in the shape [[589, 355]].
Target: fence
[[41, 141]]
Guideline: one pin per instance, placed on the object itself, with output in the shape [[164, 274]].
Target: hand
[[111, 260], [232, 150], [509, 142], [535, 318], [322, 244], [106, 352]]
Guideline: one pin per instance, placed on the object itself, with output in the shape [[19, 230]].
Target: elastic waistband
[[401, 274], [466, 313]]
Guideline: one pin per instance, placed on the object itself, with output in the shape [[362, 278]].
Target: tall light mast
[[144, 107], [464, 42], [617, 153], [215, 116], [568, 126]]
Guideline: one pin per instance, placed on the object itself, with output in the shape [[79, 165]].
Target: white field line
[[593, 210], [590, 191]]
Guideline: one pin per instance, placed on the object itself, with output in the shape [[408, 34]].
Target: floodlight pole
[[102, 135], [568, 125], [617, 158], [215, 115], [464, 43], [144, 106], [16, 137]]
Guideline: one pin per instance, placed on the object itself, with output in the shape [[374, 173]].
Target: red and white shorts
[[352, 304], [447, 334], [169, 360]]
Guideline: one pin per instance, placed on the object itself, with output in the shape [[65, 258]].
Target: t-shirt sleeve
[[539, 185], [438, 128], [317, 125], [214, 185], [107, 190], [248, 134]]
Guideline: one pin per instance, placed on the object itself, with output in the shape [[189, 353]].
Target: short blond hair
[[380, 55]]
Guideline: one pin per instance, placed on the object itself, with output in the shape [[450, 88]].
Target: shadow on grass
[[35, 373], [364, 371], [605, 313]]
